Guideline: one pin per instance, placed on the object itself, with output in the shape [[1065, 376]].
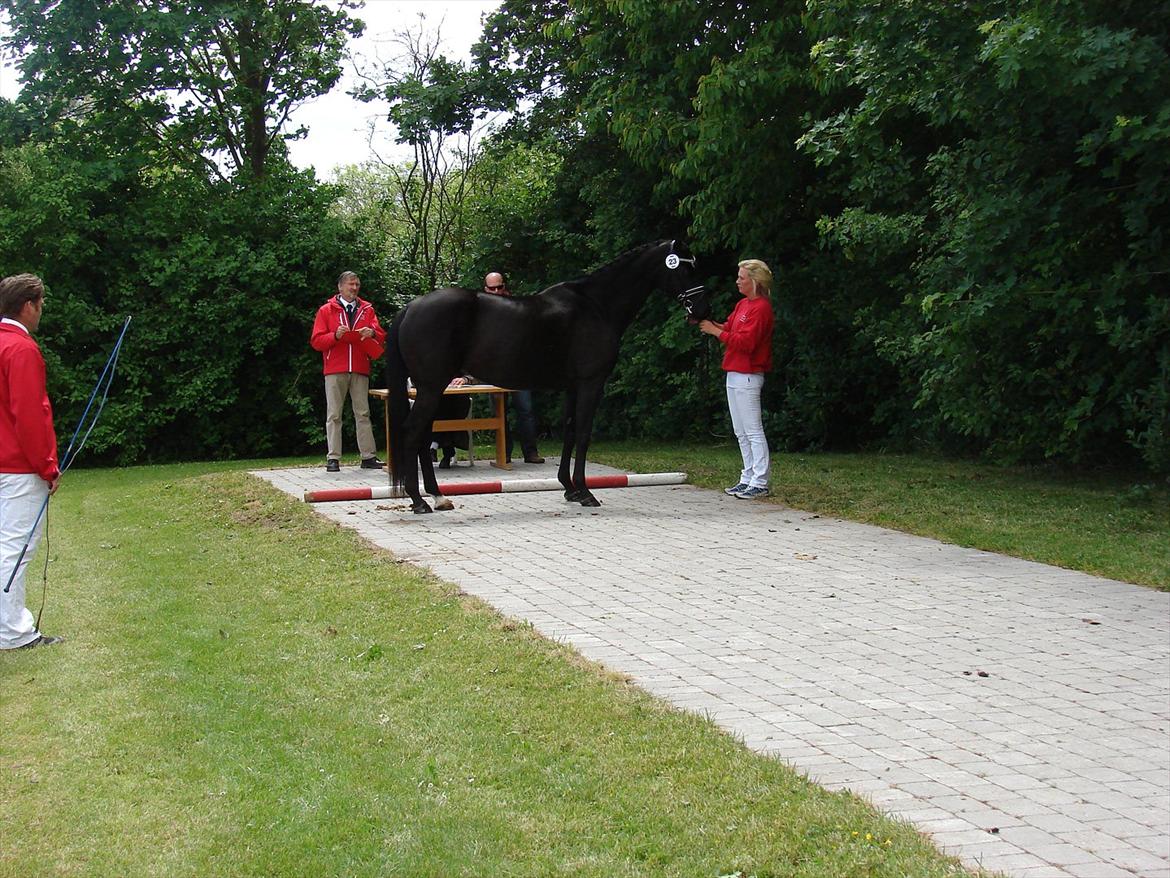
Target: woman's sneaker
[[752, 493], [735, 489]]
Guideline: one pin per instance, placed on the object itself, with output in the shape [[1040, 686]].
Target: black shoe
[[533, 457], [373, 463], [445, 463], [333, 466], [43, 640]]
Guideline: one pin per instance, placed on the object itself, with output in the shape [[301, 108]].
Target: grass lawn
[[250, 690], [1113, 525]]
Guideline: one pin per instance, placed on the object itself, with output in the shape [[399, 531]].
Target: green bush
[[222, 281]]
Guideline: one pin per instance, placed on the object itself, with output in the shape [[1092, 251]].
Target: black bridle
[[688, 296]]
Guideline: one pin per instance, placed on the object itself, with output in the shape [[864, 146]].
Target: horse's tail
[[397, 400]]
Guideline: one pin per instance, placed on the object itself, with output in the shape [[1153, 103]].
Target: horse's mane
[[614, 265]]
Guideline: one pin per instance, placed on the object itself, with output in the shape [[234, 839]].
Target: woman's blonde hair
[[759, 272]]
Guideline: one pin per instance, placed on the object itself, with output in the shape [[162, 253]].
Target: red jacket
[[748, 336], [27, 441], [348, 353]]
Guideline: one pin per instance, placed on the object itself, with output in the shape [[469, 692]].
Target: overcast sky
[[338, 125]]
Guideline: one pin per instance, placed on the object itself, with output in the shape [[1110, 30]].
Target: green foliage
[[965, 205], [1034, 317], [679, 120], [115, 188], [222, 284]]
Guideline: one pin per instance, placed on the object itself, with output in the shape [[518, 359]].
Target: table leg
[[390, 458], [501, 442]]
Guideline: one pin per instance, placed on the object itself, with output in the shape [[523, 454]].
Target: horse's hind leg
[[569, 439], [418, 432], [410, 479], [431, 484]]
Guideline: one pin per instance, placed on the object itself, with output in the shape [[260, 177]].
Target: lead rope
[[44, 575]]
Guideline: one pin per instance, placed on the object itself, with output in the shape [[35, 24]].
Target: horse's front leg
[[568, 440], [588, 399]]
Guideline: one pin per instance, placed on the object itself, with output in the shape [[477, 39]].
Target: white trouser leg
[[21, 497], [743, 401]]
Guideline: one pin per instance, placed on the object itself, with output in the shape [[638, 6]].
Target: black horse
[[564, 338]]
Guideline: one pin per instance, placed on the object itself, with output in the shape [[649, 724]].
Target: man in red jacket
[[348, 335], [28, 453]]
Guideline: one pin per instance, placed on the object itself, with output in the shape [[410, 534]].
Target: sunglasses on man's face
[[495, 289]]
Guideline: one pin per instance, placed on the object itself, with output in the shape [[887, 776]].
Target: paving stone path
[[1018, 713]]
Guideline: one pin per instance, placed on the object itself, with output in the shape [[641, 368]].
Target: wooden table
[[495, 422]]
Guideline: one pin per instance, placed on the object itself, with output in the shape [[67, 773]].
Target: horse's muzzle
[[696, 303]]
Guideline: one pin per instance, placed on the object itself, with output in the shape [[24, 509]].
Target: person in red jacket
[[348, 335], [28, 453], [747, 337]]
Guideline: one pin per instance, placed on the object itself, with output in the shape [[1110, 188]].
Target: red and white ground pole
[[634, 480]]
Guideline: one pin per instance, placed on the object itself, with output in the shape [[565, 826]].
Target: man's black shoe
[[373, 463], [533, 457], [43, 640], [333, 466]]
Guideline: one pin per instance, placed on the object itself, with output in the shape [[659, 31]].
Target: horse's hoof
[[585, 498], [420, 508], [443, 504], [572, 495]]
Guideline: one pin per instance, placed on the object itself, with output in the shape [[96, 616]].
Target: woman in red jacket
[[747, 337]]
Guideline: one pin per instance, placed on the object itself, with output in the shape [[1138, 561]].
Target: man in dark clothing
[[495, 285]]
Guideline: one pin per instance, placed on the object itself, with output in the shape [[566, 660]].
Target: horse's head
[[682, 281]]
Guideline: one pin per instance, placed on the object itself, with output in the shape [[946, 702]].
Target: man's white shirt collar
[[15, 323]]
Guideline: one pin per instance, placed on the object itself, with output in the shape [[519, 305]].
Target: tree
[[1008, 164], [211, 81], [677, 119], [121, 216], [430, 105]]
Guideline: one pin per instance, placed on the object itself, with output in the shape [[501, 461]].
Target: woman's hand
[[710, 327]]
